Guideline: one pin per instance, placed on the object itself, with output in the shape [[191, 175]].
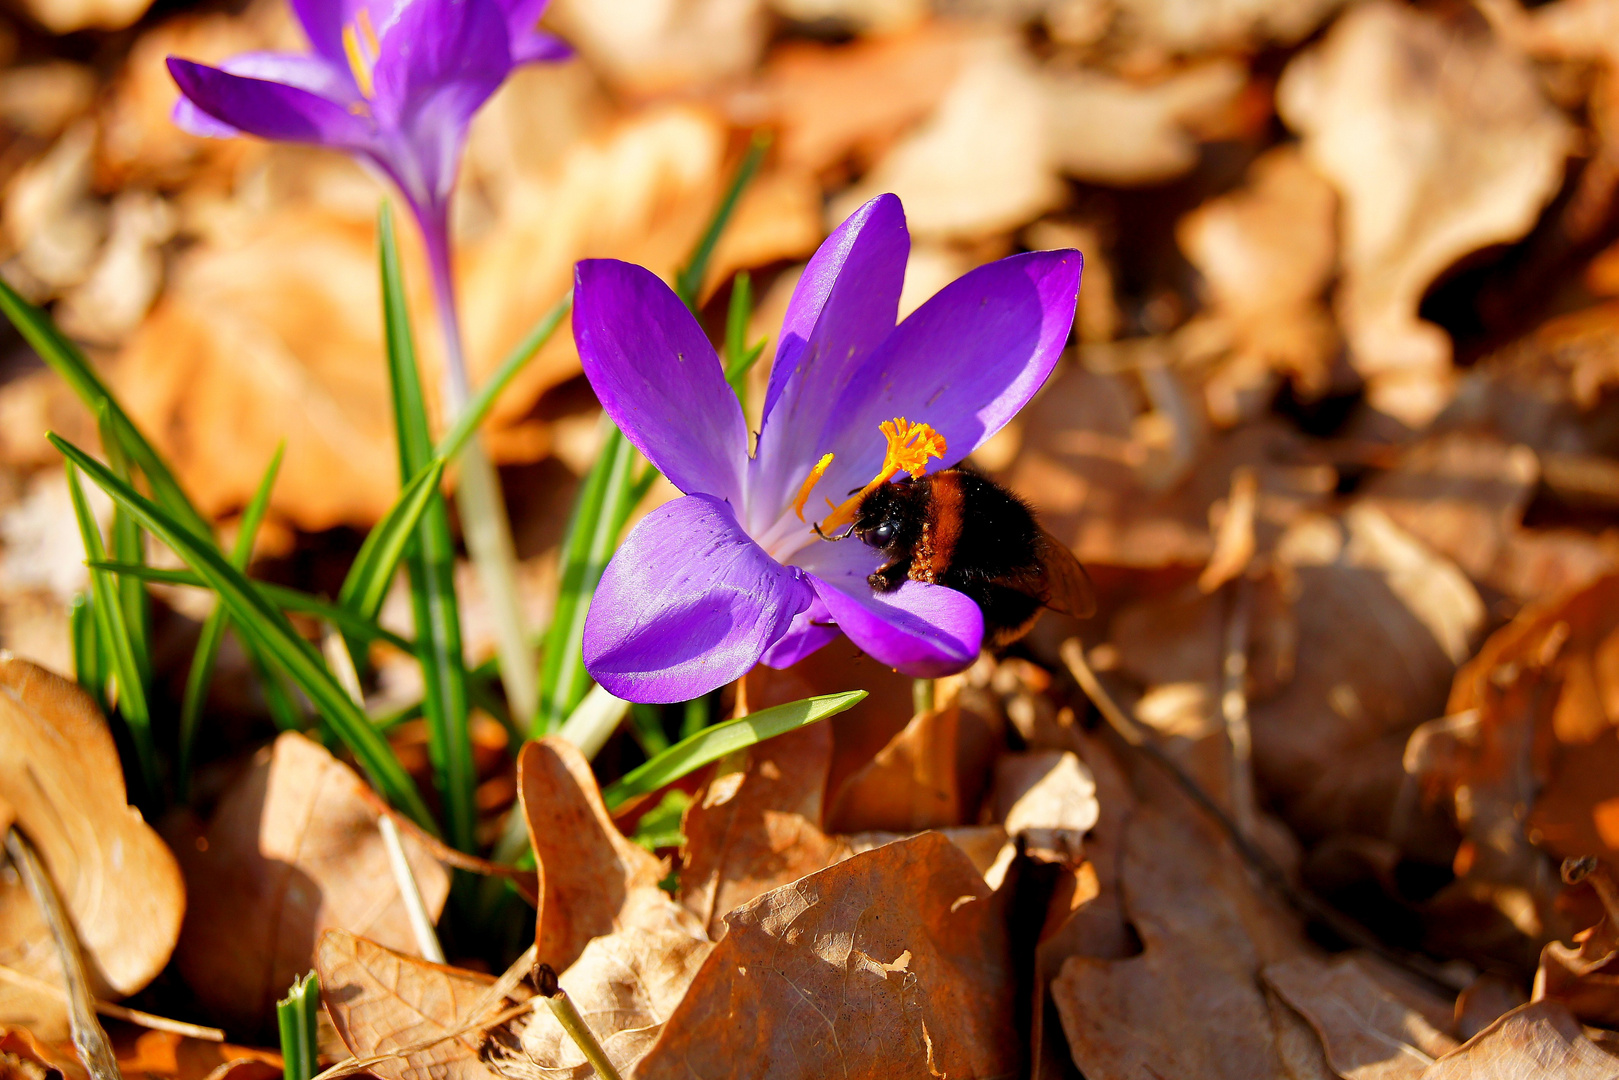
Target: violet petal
[[688, 604], [812, 628], [844, 306], [441, 58], [658, 377], [324, 21], [269, 109], [964, 362], [921, 630], [529, 43]]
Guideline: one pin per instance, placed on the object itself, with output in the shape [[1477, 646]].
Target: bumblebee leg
[[890, 576]]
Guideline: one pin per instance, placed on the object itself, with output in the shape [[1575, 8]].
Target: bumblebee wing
[[1063, 584]]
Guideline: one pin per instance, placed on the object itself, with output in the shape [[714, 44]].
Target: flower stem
[[484, 523]]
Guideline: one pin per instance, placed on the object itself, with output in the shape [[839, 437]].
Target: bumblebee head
[[890, 517]]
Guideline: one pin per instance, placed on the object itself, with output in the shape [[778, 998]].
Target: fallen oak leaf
[[62, 785], [892, 964], [1534, 1040], [402, 1017], [592, 880], [294, 849]]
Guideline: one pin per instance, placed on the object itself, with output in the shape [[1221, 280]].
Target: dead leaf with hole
[[892, 964], [981, 163], [1205, 934], [62, 785], [293, 850], [1468, 151], [625, 986], [382, 1001], [1585, 977], [1267, 253], [1368, 1033], [1540, 1039], [592, 881], [1107, 130]]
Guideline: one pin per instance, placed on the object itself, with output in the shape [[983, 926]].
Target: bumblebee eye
[[882, 534]]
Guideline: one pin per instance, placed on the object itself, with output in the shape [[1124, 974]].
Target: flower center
[[909, 448], [360, 45]]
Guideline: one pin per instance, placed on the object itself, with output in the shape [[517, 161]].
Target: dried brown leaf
[[1532, 1041], [650, 49], [891, 964], [61, 784], [624, 985], [1368, 1033], [293, 850], [592, 881], [1467, 153], [382, 1001]]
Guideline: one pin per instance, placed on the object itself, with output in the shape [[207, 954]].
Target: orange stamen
[[809, 485], [359, 63], [363, 19], [909, 448]]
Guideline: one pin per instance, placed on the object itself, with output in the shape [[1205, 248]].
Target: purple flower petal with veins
[[731, 574]]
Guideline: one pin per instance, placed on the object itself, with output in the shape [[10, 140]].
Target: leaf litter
[[1335, 443]]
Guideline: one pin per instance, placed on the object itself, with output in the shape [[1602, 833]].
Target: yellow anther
[[809, 485], [369, 32], [359, 62], [909, 448]]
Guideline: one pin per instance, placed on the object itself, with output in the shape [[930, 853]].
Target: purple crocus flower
[[393, 82], [735, 572]]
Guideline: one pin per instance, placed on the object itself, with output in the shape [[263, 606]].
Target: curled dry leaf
[[1468, 152], [165, 1055], [1266, 253], [293, 850], [592, 881], [1110, 131], [981, 163], [1046, 798], [61, 784], [1205, 934], [1584, 977], [891, 964], [624, 985], [382, 1001], [1383, 623], [1368, 1033], [1540, 1039]]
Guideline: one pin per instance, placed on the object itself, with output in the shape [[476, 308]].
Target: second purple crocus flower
[[731, 574]]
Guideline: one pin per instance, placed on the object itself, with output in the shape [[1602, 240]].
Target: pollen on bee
[[910, 446]]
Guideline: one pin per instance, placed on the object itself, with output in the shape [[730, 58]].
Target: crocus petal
[[659, 378], [269, 109], [965, 362], [324, 21], [435, 49], [812, 628], [921, 630], [844, 306], [528, 42], [688, 604]]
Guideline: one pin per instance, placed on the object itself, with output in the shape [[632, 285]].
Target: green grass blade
[[64, 358], [259, 619], [478, 408], [689, 282], [201, 673], [714, 743], [592, 535], [431, 568], [115, 637], [128, 546], [366, 585], [297, 1017], [646, 724], [739, 358], [89, 667]]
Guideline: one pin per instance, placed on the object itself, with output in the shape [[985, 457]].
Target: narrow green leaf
[[714, 743], [366, 585], [261, 621], [646, 724], [739, 358], [695, 716], [478, 408], [659, 827], [114, 635], [64, 358], [282, 597], [430, 563], [592, 535], [689, 282], [128, 546], [89, 668], [213, 628], [297, 1017]]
